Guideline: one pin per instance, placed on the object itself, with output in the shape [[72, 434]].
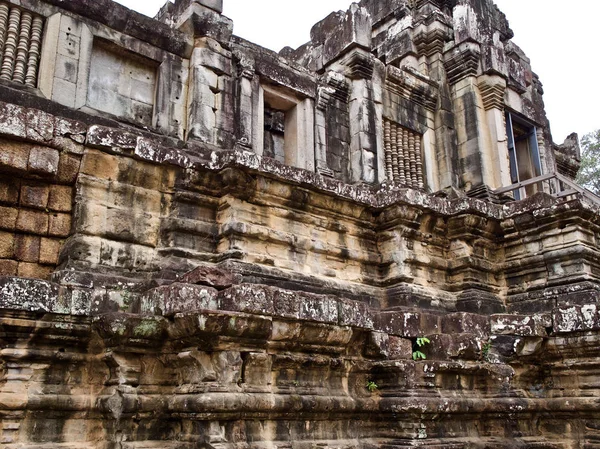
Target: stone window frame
[[172, 71], [535, 163], [299, 110]]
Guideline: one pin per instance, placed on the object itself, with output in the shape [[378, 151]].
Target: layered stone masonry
[[200, 248]]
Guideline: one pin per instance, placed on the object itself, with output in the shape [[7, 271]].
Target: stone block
[[399, 348], [8, 218], [377, 345], [448, 347], [100, 165], [248, 298], [205, 57], [132, 226], [212, 276], [28, 294], [7, 243], [59, 225], [525, 326], [179, 298], [355, 314], [14, 156], [319, 308], [66, 68], [27, 248], [8, 267], [257, 369], [463, 322], [49, 251], [34, 195], [390, 322], [32, 221], [68, 168], [576, 318], [43, 161], [60, 198], [203, 22], [9, 190], [340, 32]]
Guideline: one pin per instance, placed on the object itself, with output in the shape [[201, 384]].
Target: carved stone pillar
[[476, 166], [335, 88], [245, 123], [492, 88], [363, 142]]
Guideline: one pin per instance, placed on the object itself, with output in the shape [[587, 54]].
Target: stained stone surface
[[244, 249]]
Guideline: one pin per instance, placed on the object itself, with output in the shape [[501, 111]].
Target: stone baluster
[[394, 148], [22, 47], [4, 11], [387, 138], [34, 52], [420, 180], [406, 156], [10, 46], [413, 159]]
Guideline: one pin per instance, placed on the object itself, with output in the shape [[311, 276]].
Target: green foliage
[[372, 386], [417, 353], [589, 173], [485, 351]]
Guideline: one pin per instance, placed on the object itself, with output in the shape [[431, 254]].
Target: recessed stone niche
[[121, 83]]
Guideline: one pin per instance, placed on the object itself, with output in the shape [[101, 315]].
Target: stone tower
[[370, 241]]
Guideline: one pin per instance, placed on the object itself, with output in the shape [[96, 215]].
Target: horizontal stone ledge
[[248, 403]]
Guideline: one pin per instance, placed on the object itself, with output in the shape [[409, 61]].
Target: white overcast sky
[[562, 39]]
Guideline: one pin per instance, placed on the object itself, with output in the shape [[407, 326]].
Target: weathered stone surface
[[247, 253], [211, 276]]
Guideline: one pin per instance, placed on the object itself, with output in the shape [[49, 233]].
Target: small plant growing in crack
[[485, 351], [372, 386], [417, 346]]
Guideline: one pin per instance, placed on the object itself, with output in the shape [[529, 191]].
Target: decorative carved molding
[[335, 87], [492, 90], [430, 40], [413, 86], [462, 62], [359, 65]]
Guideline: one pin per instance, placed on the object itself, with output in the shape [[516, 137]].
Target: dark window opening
[[274, 141], [524, 154]]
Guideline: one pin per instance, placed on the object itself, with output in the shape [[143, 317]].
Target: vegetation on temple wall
[[589, 173]]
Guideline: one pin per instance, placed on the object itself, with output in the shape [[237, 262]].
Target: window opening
[[280, 126], [524, 154]]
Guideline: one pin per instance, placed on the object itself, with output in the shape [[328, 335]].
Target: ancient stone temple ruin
[[370, 241]]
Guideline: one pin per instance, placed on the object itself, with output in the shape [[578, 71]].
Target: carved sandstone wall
[[204, 244]]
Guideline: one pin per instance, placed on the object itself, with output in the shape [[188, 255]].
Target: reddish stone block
[[27, 248], [14, 156], [49, 251], [68, 168], [34, 271], [9, 190], [7, 243], [61, 198], [100, 165], [60, 225], [8, 267], [8, 218], [34, 195], [32, 222]]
